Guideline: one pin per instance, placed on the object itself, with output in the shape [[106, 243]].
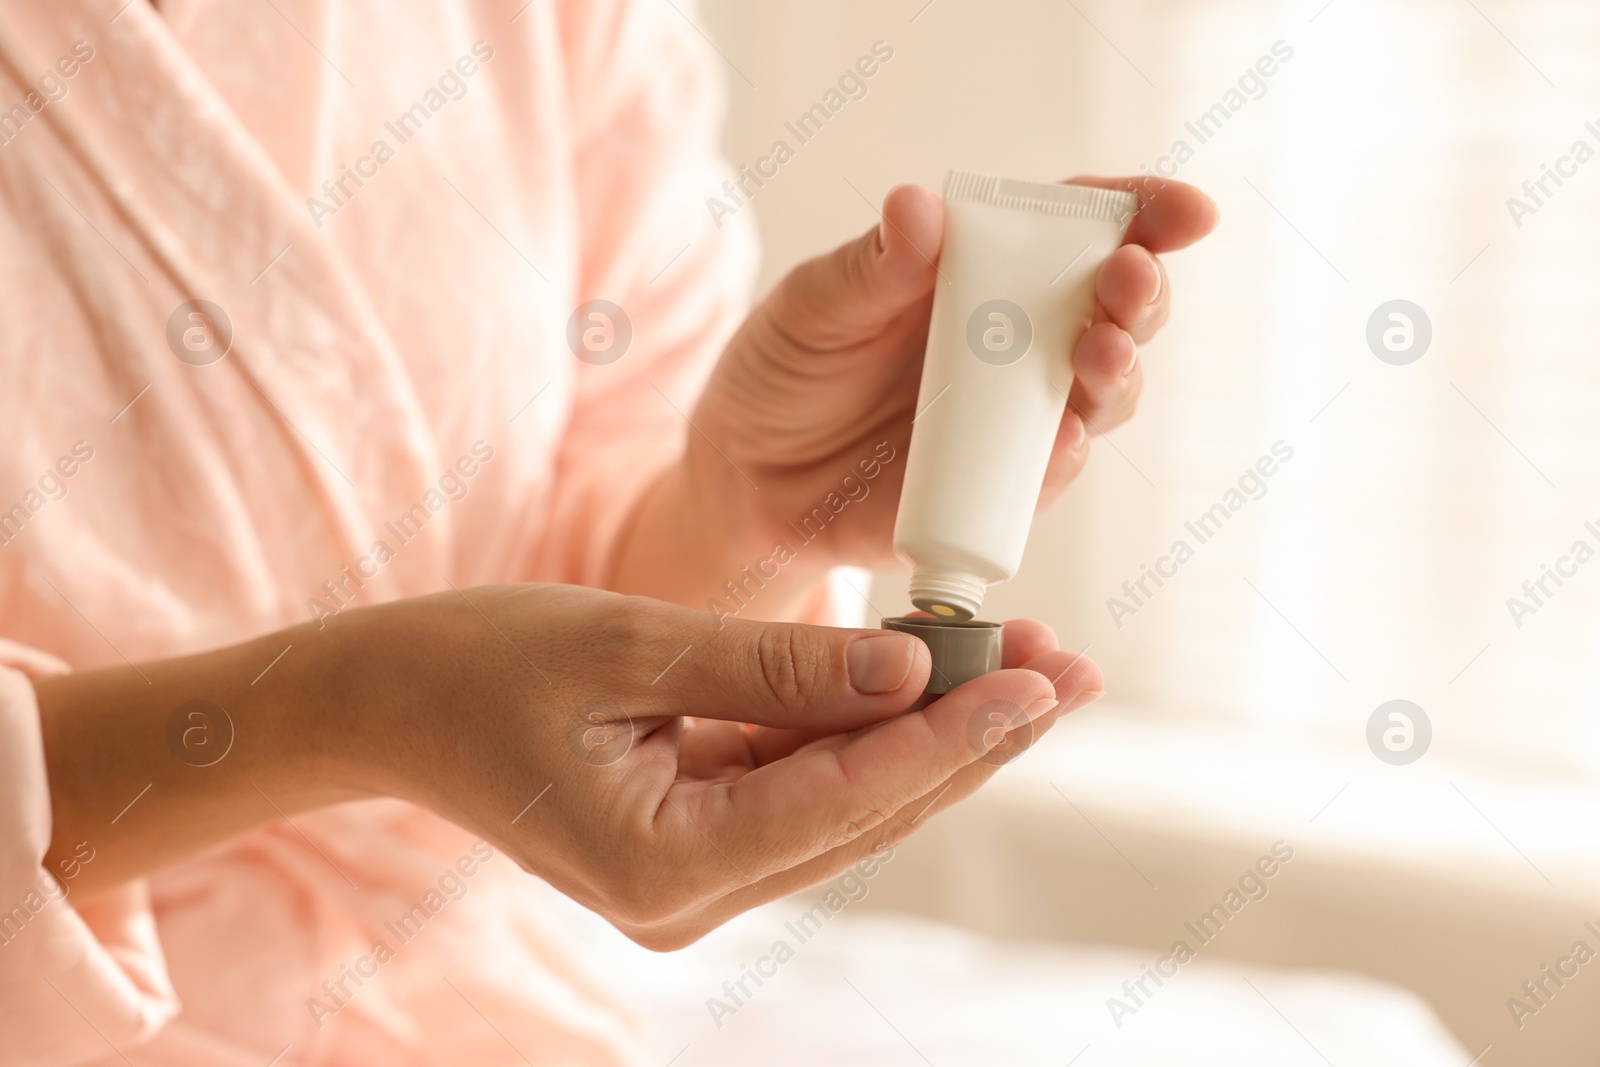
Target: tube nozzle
[[947, 594]]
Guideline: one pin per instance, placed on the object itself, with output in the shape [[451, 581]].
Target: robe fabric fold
[[287, 290]]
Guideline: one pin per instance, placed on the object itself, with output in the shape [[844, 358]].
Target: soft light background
[[1375, 166]]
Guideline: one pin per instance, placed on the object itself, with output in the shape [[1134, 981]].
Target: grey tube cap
[[962, 650]]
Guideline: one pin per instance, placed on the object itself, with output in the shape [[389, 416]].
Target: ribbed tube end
[[947, 594]]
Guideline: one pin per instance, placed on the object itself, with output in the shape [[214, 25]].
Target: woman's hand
[[823, 376], [664, 770], [685, 771]]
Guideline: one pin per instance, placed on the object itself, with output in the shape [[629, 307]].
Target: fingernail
[[880, 663], [1039, 707], [1133, 361], [1085, 698], [1081, 436], [1155, 263]]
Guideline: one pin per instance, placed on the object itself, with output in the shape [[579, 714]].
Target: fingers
[[798, 677], [1078, 682], [1068, 455], [831, 792], [1023, 640], [1074, 677], [1172, 215], [1107, 378], [1104, 363], [711, 749], [1133, 293], [862, 286], [1133, 303]]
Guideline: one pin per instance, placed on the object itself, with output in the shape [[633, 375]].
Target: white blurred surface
[[873, 989]]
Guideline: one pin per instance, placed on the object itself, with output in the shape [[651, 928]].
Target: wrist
[[147, 764], [350, 690], [286, 700]]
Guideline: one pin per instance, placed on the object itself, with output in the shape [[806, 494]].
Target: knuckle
[[872, 819], [900, 826], [856, 257], [794, 666], [631, 620], [846, 266], [627, 629], [893, 834]]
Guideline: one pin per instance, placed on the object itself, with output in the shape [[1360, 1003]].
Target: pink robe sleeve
[[648, 105], [76, 980]]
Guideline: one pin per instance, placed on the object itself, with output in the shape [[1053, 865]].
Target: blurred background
[[1375, 164]]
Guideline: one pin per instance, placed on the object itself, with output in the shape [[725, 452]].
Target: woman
[[305, 366]]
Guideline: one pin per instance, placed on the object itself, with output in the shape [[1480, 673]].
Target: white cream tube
[[1015, 292]]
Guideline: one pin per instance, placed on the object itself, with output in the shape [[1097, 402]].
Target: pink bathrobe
[[394, 317]]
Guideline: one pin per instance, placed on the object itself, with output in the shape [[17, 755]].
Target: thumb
[[794, 676], [864, 284]]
